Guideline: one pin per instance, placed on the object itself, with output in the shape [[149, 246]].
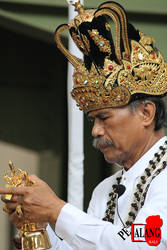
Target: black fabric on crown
[[96, 56]]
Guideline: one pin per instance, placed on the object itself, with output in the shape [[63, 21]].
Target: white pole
[[75, 136]]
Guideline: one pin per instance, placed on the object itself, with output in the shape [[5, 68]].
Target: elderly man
[[120, 86]]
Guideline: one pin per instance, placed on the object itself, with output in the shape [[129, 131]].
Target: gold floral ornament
[[112, 72], [33, 235], [15, 178], [145, 72]]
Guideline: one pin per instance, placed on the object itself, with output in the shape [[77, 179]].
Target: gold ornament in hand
[[16, 178], [19, 211], [33, 235], [5, 209]]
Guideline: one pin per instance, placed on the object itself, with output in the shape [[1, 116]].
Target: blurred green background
[[33, 106]]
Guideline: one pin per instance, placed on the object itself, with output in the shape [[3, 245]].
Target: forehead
[[100, 112], [121, 111]]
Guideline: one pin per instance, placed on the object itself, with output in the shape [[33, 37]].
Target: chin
[[113, 160], [109, 160]]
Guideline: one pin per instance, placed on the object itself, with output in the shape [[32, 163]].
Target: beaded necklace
[[155, 166]]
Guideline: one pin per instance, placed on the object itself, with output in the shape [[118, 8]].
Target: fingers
[[6, 210], [18, 222], [13, 199], [9, 209], [11, 206], [14, 190], [34, 179]]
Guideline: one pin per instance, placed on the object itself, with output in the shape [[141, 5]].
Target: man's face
[[118, 133]]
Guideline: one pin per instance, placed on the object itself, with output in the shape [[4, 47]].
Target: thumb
[[34, 179]]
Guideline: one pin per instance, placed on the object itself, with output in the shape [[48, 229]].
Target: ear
[[147, 113]]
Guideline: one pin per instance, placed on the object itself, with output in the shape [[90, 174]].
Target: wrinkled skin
[[124, 136]]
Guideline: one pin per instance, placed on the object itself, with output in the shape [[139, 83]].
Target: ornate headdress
[[112, 73]]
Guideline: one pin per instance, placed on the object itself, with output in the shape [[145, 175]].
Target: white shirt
[[87, 231]]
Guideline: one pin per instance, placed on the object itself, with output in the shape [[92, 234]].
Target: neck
[[148, 143]]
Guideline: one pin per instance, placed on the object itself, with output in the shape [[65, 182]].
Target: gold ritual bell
[[33, 235]]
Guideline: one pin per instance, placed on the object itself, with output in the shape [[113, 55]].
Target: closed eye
[[103, 117], [91, 119]]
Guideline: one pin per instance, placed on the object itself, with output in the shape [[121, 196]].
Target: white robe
[[87, 231]]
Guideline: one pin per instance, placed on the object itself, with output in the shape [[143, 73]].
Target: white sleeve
[[56, 242], [86, 232]]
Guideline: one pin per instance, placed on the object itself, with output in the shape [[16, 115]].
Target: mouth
[[102, 148]]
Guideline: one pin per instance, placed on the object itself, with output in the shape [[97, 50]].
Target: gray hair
[[160, 114]]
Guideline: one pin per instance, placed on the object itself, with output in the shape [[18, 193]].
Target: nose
[[98, 129]]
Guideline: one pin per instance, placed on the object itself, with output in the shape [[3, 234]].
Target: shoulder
[[159, 182], [156, 198], [158, 189]]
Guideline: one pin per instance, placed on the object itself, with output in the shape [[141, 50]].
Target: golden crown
[[112, 73]]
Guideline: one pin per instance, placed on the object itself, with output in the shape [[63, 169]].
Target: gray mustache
[[97, 142]]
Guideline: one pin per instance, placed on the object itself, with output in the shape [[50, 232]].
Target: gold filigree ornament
[[100, 41], [144, 73], [112, 71], [82, 42], [33, 235], [14, 179]]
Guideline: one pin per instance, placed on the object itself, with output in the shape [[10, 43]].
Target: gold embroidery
[[82, 42], [145, 73], [102, 43]]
